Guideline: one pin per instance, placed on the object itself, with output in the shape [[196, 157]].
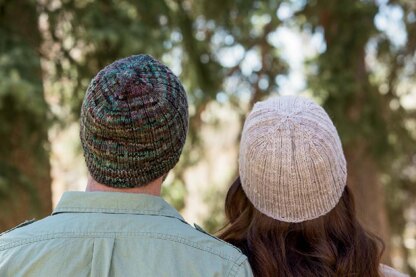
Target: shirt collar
[[115, 203]]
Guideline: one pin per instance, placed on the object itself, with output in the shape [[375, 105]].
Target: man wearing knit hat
[[134, 121]]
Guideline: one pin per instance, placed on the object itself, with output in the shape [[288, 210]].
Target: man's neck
[[153, 188]]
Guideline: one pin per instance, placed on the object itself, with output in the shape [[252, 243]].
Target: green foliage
[[342, 80], [21, 91], [175, 193], [24, 159], [12, 183], [18, 91], [216, 219]]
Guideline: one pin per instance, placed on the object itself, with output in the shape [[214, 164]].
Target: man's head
[[134, 120]]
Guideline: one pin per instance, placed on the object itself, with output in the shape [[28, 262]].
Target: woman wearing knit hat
[[290, 211]]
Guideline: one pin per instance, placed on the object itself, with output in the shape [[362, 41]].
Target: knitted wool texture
[[292, 165], [134, 121]]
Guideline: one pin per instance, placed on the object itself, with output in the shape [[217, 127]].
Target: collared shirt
[[116, 234]]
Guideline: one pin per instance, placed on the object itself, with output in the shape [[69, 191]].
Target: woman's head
[[290, 210], [334, 244]]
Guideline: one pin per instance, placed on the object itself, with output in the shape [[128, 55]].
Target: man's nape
[[152, 188]]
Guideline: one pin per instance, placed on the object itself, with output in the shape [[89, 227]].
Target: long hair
[[332, 245]]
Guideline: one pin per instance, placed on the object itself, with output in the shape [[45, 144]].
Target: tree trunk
[[363, 179], [25, 182]]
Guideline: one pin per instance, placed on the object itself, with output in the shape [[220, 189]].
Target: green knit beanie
[[134, 120]]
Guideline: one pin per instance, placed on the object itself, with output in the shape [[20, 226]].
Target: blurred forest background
[[355, 57]]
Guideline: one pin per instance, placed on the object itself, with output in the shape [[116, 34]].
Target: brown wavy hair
[[332, 245]]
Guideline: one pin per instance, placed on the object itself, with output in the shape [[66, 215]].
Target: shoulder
[[213, 245], [26, 222], [14, 235], [387, 271]]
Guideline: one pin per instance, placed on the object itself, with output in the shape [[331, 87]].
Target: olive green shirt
[[116, 234]]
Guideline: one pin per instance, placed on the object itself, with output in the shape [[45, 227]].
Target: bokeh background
[[355, 57]]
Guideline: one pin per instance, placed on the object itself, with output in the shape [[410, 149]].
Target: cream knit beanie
[[292, 166]]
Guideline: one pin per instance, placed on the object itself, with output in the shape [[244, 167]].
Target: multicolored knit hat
[[134, 121]]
